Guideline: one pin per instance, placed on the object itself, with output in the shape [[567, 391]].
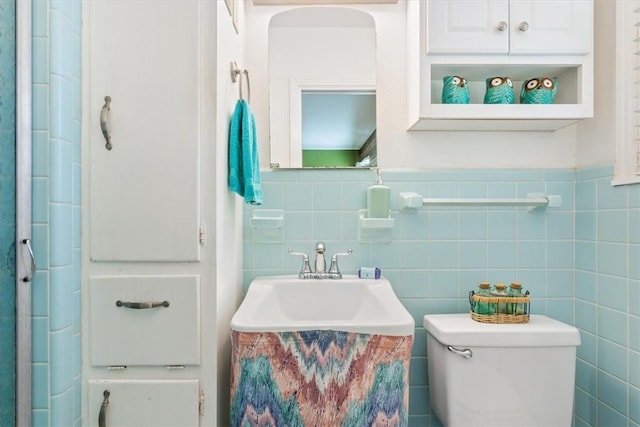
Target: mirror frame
[[320, 83]]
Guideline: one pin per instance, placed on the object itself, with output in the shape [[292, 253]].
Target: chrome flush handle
[[466, 353]]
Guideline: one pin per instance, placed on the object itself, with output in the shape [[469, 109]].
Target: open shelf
[[571, 103]]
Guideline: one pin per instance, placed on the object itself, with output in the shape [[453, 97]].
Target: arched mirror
[[322, 88]]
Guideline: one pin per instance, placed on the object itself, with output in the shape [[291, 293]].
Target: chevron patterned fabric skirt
[[319, 378]]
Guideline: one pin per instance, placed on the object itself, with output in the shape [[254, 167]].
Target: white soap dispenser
[[378, 197]]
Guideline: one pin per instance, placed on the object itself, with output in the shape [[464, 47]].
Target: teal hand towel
[[235, 151], [244, 162]]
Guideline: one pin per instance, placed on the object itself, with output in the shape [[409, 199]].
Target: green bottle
[[500, 291], [484, 307], [515, 290]]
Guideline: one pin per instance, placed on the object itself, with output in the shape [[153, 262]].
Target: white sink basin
[[350, 304]]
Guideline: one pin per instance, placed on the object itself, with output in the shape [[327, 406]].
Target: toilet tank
[[483, 374]]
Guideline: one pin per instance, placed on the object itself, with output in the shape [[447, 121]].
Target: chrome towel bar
[[411, 201]]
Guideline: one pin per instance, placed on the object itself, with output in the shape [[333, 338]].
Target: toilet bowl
[[483, 374]]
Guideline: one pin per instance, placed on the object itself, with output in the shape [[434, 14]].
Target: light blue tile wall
[[56, 212], [7, 208], [581, 262], [438, 254], [607, 299]]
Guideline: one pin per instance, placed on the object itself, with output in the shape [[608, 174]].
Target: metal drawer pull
[[466, 353], [104, 122], [142, 305], [33, 261], [102, 416]]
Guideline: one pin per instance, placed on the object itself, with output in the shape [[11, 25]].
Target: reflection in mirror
[[322, 77], [338, 128]]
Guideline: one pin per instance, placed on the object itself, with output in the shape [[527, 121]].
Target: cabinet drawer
[[141, 403], [144, 320]]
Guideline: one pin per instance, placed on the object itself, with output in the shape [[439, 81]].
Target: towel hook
[[237, 71]]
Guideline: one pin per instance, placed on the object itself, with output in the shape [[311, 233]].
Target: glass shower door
[[7, 208], [25, 262], [15, 212]]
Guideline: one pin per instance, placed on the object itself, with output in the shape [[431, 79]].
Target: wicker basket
[[500, 309]]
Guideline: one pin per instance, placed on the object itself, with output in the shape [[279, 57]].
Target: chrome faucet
[[320, 264], [305, 271], [333, 268]]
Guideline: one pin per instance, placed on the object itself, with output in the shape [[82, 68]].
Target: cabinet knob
[[524, 26], [502, 26]]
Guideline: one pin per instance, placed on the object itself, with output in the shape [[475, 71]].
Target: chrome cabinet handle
[[142, 305], [466, 353], [102, 416], [524, 26], [104, 122], [32, 273], [502, 26]]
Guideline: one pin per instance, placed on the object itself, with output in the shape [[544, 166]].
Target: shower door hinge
[[201, 402], [202, 234]]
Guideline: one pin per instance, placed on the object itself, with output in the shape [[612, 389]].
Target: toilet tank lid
[[461, 330]]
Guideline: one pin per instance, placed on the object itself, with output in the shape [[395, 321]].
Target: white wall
[[398, 148], [228, 232], [596, 137]]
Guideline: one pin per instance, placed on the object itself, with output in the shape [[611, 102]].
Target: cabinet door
[[551, 27], [539, 27], [144, 403], [467, 26], [144, 192]]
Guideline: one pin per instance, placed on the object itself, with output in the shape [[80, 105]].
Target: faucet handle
[[333, 268], [306, 267]]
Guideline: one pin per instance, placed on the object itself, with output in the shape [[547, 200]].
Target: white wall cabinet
[[149, 270], [516, 27], [519, 39]]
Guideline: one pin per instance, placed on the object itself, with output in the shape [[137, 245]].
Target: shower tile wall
[[7, 207], [438, 254], [56, 50]]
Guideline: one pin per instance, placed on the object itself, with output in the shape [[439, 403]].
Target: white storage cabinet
[[481, 39]]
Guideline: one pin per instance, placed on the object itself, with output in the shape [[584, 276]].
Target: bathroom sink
[[350, 304]]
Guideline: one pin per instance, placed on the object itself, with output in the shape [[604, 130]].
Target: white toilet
[[483, 374]]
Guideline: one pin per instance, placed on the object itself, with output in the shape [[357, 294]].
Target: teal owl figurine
[[539, 90], [455, 90], [499, 91]]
